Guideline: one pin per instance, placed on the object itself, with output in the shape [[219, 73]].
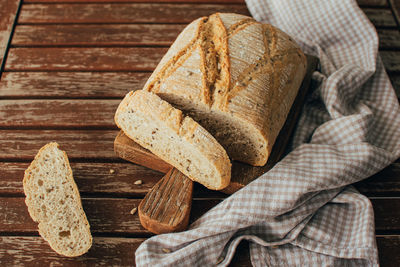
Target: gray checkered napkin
[[303, 212]]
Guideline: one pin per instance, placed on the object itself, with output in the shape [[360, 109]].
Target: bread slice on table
[[236, 77], [54, 202], [179, 140]]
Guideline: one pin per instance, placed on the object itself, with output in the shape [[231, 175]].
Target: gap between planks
[[112, 215], [109, 179], [110, 251]]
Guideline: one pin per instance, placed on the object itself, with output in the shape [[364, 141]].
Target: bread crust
[[32, 209], [249, 71], [185, 127]]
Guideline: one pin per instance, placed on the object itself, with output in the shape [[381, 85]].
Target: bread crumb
[[133, 211], [166, 250], [138, 182], [112, 171]]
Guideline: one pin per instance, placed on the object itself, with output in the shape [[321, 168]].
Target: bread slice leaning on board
[[236, 77], [179, 140], [54, 202]]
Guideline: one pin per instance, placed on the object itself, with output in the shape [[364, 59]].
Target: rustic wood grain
[[122, 12], [126, 35], [84, 59], [58, 113], [391, 60], [380, 17], [166, 207], [94, 178], [112, 215], [8, 11], [389, 38], [384, 183], [70, 84], [96, 35], [79, 144], [118, 251], [35, 251], [153, 1], [389, 250], [360, 2], [110, 59], [115, 179], [395, 6], [387, 214], [127, 149], [148, 13], [105, 215], [84, 84]]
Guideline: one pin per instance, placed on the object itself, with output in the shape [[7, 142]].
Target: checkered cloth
[[303, 212]]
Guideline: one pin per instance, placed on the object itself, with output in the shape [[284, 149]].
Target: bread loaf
[[177, 139], [54, 202], [236, 77]]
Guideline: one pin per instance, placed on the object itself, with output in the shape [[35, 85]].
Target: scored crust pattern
[[211, 38]]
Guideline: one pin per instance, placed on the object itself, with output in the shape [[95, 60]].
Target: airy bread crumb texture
[[54, 202], [179, 140]]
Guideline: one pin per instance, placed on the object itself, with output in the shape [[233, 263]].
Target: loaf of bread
[[236, 77], [54, 202], [175, 138]]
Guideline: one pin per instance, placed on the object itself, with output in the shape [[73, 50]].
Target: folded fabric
[[303, 212]]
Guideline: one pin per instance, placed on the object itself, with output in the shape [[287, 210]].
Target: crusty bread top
[[53, 201], [234, 64], [185, 127]]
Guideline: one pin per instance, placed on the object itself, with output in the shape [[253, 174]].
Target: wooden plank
[[110, 59], [105, 248], [70, 84], [126, 35], [79, 144], [121, 12], [391, 60], [112, 215], [389, 250], [58, 113], [395, 79], [153, 1], [380, 17], [387, 213], [95, 178], [388, 38], [35, 251], [360, 2], [148, 13], [84, 84], [96, 35], [91, 178], [84, 59], [395, 5], [384, 183], [105, 215], [8, 11], [117, 251]]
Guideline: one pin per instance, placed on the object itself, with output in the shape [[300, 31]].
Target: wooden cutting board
[[177, 188]]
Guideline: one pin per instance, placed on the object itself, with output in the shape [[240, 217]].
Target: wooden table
[[66, 64]]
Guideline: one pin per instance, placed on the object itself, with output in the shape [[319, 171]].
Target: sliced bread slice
[[179, 140], [54, 202]]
